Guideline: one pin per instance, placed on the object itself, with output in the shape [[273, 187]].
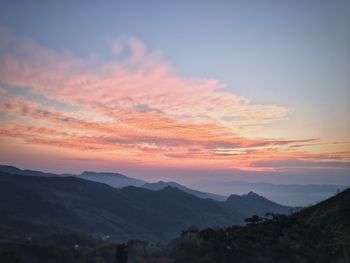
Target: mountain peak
[[254, 196], [251, 193]]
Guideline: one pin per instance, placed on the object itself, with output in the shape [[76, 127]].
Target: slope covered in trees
[[316, 234], [35, 205]]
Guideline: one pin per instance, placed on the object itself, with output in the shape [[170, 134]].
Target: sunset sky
[[185, 90]]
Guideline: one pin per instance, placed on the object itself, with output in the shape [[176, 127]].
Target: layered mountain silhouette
[[116, 180], [161, 185], [286, 194], [38, 205], [113, 179], [319, 233]]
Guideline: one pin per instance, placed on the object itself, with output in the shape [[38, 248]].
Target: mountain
[[253, 204], [161, 185], [320, 233], [287, 194], [116, 180], [37, 205], [334, 211], [14, 170], [31, 205]]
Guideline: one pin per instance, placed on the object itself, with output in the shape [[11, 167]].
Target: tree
[[121, 253], [253, 220]]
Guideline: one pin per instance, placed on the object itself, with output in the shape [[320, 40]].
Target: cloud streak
[[133, 107]]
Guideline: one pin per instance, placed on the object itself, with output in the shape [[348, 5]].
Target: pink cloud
[[133, 108], [2, 91], [141, 79]]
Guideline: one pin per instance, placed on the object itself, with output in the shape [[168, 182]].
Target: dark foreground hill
[[32, 206], [317, 234]]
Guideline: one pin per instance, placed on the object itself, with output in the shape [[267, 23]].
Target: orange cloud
[[134, 109]]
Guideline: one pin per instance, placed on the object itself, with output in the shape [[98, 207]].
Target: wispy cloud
[[134, 107]]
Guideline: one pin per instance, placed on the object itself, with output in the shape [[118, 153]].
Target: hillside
[[333, 211], [320, 233], [35, 205], [32, 205]]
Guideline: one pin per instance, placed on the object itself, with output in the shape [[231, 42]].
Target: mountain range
[[37, 205], [295, 195], [116, 180], [319, 233]]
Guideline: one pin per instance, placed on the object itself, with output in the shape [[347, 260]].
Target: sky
[[178, 90]]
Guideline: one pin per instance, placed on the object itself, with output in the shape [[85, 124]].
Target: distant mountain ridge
[[116, 180], [113, 179], [287, 194], [14, 170], [161, 185], [37, 205]]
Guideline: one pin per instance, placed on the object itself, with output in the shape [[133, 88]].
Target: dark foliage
[[316, 234], [67, 248]]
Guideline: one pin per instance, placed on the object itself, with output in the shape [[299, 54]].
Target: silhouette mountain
[[255, 203], [14, 170], [37, 205], [161, 185], [113, 179], [116, 180]]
